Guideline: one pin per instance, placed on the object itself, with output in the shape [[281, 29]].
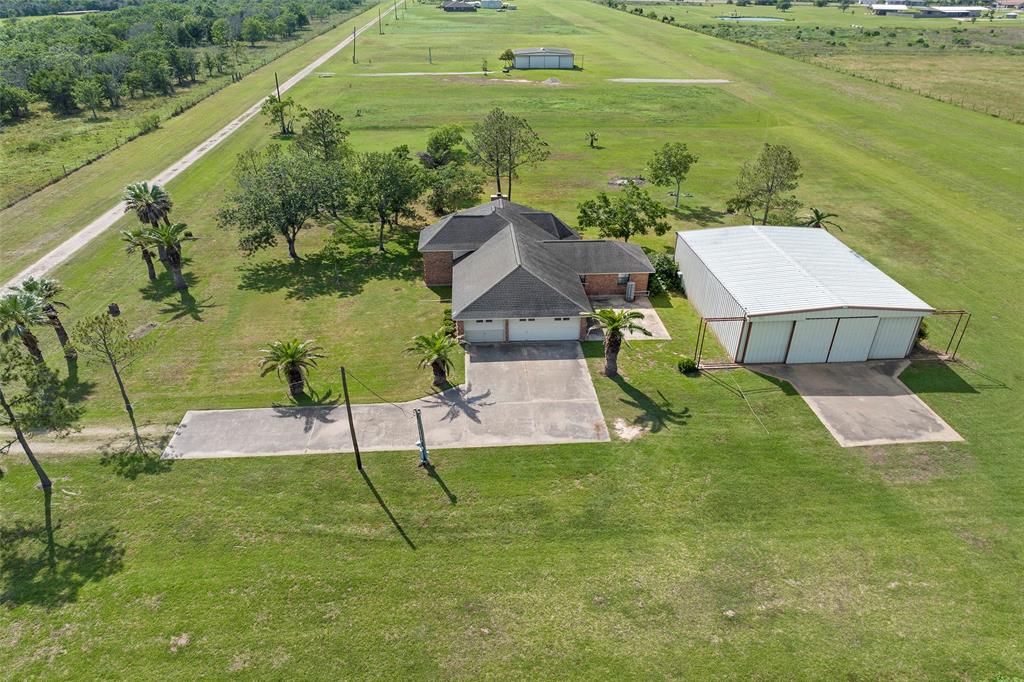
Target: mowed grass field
[[735, 539]]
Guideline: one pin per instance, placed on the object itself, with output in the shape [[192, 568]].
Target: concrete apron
[[515, 394], [864, 403]]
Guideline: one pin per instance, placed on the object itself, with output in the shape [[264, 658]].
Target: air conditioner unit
[[630, 290]]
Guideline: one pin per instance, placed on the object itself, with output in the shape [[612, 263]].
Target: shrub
[[447, 323], [687, 365], [922, 331], [149, 123], [665, 277]]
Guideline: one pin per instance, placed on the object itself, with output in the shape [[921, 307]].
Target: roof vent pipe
[[495, 197]]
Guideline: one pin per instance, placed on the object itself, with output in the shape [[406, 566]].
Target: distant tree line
[[148, 49]]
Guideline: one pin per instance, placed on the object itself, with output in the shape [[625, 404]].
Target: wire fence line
[[348, 372]]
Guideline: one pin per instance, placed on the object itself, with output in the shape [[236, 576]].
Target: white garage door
[[767, 341], [893, 338], [484, 331], [544, 329], [811, 340], [853, 339]]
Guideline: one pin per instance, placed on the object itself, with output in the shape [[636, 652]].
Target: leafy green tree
[[386, 185], [209, 63], [20, 312], [434, 351], [89, 95], [57, 86], [31, 399], [509, 57], [763, 184], [278, 195], [135, 240], [453, 186], [221, 32], [501, 144], [13, 101], [844, 5], [291, 360], [106, 339], [169, 238], [278, 112], [48, 291], [254, 30], [323, 135], [783, 5], [444, 146], [616, 324], [670, 165], [821, 219], [629, 213]]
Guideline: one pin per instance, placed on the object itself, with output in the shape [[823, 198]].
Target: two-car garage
[[522, 329], [795, 295]]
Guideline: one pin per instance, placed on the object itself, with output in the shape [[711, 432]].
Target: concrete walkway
[[864, 403], [515, 394], [69, 247], [651, 319]]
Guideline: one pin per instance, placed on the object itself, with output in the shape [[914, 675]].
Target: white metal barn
[[544, 58], [795, 295]]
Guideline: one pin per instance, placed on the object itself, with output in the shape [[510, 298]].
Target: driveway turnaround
[[68, 248], [651, 320], [864, 403], [515, 394]]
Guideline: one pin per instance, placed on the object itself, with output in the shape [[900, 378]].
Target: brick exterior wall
[[584, 326], [437, 268], [460, 328], [607, 285]]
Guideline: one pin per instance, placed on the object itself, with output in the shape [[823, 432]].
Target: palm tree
[[615, 324], [291, 360], [821, 219], [135, 239], [151, 205], [170, 237], [47, 289], [434, 351], [19, 312]]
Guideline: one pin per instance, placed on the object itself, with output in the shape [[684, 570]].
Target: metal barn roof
[[526, 51], [776, 270]]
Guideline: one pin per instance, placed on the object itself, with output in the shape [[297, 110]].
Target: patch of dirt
[[139, 332], [629, 432], [897, 465], [179, 642], [620, 181]]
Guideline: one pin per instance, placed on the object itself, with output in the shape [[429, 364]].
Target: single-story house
[[1010, 4], [544, 58], [491, 4], [519, 274], [951, 12], [887, 9], [459, 6], [795, 295]]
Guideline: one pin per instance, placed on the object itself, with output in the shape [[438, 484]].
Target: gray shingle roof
[[469, 229], [514, 275], [594, 256]]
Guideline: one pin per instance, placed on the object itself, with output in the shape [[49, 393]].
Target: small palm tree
[[434, 351], [151, 205], [47, 289], [170, 238], [821, 220], [592, 138], [135, 240], [615, 324], [291, 360], [19, 312]]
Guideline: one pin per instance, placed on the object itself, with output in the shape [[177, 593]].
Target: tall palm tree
[[151, 205], [821, 220], [291, 360], [135, 240], [19, 312], [47, 289], [434, 351], [615, 324], [170, 238]]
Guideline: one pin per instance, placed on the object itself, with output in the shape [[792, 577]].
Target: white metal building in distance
[[796, 295], [544, 58]]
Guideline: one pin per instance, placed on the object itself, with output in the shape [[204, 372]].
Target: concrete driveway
[[515, 394], [651, 319], [864, 403]]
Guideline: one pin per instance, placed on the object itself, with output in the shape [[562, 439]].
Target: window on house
[[623, 278], [488, 320], [478, 321]]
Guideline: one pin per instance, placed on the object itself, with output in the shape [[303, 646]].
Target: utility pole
[[430, 56], [396, 11], [353, 45], [351, 424], [380, 24], [422, 442], [280, 108]]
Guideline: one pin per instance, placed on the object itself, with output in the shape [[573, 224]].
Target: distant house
[[459, 6], [1010, 4], [940, 12], [519, 274], [544, 58], [887, 9], [491, 4]]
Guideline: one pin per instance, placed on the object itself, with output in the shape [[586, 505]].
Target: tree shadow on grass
[[654, 415], [334, 271], [701, 215], [187, 306], [163, 286], [125, 459], [74, 389], [36, 569]]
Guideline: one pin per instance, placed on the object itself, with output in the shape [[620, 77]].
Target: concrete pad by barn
[[515, 394], [651, 319], [864, 403]]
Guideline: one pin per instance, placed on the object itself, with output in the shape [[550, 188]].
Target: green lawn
[[735, 539]]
